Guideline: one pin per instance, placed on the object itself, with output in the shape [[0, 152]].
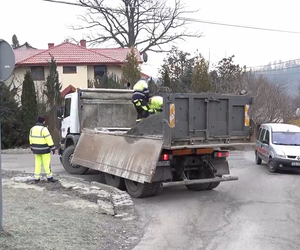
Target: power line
[[197, 20]]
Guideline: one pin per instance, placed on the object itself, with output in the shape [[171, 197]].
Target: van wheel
[[142, 190], [115, 181], [271, 166], [66, 162], [258, 161]]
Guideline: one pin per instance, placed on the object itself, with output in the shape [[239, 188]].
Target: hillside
[[287, 72]]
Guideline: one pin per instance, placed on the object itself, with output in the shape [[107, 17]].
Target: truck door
[[66, 122]]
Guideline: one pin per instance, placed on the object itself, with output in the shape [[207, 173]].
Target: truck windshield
[[286, 138]]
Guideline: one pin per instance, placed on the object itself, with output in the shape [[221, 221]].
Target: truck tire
[[115, 181], [213, 185], [66, 162], [142, 190], [198, 187], [258, 161]]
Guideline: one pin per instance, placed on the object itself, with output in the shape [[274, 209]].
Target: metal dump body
[[207, 119], [105, 108], [188, 120]]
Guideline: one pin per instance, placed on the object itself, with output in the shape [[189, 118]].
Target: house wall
[[78, 80], [116, 69]]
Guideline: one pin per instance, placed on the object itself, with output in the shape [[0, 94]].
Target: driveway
[[259, 211]]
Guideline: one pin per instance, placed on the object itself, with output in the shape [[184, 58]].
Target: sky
[[40, 23]]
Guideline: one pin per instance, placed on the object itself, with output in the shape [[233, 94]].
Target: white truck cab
[[278, 145]]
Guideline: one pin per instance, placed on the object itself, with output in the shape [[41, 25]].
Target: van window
[[267, 137], [67, 107], [258, 133], [262, 135]]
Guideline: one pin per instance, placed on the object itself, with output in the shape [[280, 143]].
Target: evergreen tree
[[201, 81], [165, 77], [52, 91], [29, 105], [11, 128], [52, 86], [131, 69], [15, 42]]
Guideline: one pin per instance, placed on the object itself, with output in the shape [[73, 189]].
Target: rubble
[[152, 125], [16, 151], [110, 200]]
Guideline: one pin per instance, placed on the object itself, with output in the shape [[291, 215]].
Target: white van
[[278, 145]]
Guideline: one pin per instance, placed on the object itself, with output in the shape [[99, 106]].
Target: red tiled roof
[[69, 53], [118, 53]]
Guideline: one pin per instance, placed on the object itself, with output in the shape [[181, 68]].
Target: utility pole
[[7, 66]]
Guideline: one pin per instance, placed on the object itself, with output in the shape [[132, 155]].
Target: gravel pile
[[39, 218], [152, 125]]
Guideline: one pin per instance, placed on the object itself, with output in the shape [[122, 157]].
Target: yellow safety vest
[[156, 104], [40, 140], [141, 86]]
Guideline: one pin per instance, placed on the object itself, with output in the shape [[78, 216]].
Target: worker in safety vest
[[156, 104], [41, 145], [140, 99]]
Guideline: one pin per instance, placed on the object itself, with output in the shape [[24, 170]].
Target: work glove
[[53, 151]]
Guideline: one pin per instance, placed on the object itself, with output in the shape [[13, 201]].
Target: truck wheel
[[213, 185], [198, 187], [66, 162], [115, 181], [271, 166], [139, 190], [258, 161]]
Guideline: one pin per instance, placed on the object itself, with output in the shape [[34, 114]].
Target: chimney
[[50, 45], [83, 43]]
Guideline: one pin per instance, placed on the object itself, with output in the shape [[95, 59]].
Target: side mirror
[[265, 142], [60, 112]]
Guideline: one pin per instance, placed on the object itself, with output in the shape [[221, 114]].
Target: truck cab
[[69, 116], [279, 146]]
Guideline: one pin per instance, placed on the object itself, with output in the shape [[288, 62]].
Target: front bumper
[[286, 164]]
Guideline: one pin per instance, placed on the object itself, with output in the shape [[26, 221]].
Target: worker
[[156, 104], [41, 145], [140, 99]]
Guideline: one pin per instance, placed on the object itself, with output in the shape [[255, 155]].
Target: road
[[259, 211]]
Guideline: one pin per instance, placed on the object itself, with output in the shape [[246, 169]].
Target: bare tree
[[149, 24], [271, 101]]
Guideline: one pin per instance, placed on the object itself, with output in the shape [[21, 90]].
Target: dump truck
[[183, 145]]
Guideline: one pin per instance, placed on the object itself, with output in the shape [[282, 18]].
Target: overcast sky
[[40, 23]]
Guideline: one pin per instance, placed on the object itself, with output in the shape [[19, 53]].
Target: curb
[[110, 200]]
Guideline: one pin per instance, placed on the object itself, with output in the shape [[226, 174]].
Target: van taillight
[[221, 154]]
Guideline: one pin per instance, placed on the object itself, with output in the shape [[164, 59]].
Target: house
[[76, 64]]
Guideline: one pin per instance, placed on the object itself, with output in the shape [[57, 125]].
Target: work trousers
[[42, 160], [141, 108]]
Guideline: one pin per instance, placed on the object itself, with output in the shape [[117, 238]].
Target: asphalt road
[[259, 211]]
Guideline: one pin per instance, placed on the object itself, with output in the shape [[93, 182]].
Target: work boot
[[36, 181], [51, 179]]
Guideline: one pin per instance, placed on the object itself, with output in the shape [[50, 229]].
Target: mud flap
[[221, 166], [128, 157]]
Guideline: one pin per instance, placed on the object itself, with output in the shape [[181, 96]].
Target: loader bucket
[[133, 158]]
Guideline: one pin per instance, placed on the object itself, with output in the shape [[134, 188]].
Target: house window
[[37, 73], [99, 70], [69, 69]]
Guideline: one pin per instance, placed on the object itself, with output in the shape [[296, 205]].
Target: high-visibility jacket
[[140, 90], [156, 104], [40, 140]]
